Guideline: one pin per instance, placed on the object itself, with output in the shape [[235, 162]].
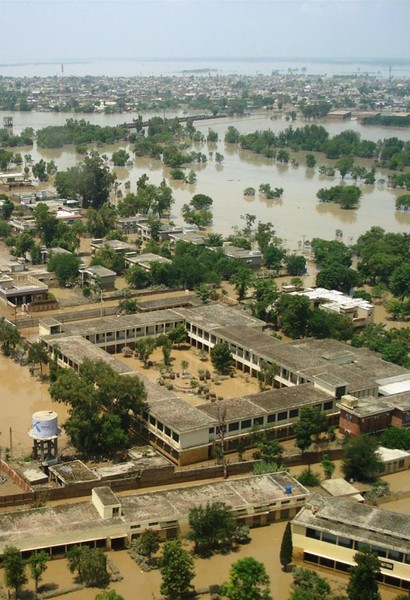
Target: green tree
[[37, 563], [177, 570], [212, 528], [286, 548], [120, 157], [248, 581], [37, 354], [147, 544], [337, 277], [10, 337], [178, 335], [344, 165], [65, 266], [310, 161], [267, 450], [137, 278], [396, 437], [102, 221], [362, 463], [101, 403], [144, 348], [108, 595], [363, 583], [221, 357], [312, 422], [295, 265], [14, 569], [294, 313], [128, 306], [399, 282], [308, 585], [328, 466], [90, 564], [39, 170], [242, 280]]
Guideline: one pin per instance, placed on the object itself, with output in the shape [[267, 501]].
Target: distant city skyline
[[69, 30]]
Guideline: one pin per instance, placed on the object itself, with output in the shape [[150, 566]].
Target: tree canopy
[[101, 404], [212, 528], [248, 581], [177, 570], [361, 462]]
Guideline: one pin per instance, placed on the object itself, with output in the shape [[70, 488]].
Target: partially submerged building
[[111, 521], [329, 531], [309, 372]]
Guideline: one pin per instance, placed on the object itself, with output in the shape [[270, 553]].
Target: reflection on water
[[346, 216]]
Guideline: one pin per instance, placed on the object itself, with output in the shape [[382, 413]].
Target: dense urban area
[[193, 405]]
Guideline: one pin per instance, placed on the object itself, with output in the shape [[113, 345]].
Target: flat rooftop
[[357, 521], [75, 523]]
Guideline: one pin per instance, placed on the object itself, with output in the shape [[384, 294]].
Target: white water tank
[[44, 424]]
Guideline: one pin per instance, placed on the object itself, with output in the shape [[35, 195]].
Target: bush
[[308, 478]]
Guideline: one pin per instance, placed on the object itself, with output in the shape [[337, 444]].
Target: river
[[298, 215]]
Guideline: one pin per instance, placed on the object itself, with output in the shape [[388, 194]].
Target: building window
[[175, 436], [395, 555], [167, 431], [328, 405], [312, 558], [258, 421], [328, 537], [211, 431], [345, 542], [293, 413], [313, 533], [271, 418], [284, 514], [282, 416], [233, 426], [152, 420], [160, 426], [246, 424]]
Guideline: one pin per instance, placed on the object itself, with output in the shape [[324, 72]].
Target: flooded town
[[205, 301]]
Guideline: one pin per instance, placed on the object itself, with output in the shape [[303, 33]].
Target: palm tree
[[37, 354]]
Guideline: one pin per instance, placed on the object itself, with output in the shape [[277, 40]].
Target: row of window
[[161, 427], [285, 415], [340, 566], [338, 540]]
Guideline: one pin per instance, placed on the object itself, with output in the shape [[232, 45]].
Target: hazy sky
[[62, 29]]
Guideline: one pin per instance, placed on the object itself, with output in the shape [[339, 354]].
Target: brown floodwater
[[298, 214], [21, 395], [264, 546]]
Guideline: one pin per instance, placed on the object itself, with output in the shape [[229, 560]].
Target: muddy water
[[264, 547], [298, 214], [20, 396]]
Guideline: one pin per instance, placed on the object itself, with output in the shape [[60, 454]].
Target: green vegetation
[[286, 547], [248, 580], [396, 437], [221, 357], [198, 212], [361, 462], [308, 585], [387, 121], [101, 407], [120, 157], [65, 266], [78, 133], [363, 583], [308, 478], [14, 569], [393, 344], [37, 563], [149, 198], [147, 543], [345, 195], [90, 564], [90, 182], [177, 570], [212, 528], [311, 423]]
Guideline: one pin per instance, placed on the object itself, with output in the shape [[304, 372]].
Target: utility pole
[[11, 443]]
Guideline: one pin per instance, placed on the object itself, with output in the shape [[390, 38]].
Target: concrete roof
[[106, 496], [73, 472], [339, 487], [74, 523], [179, 415], [361, 522], [215, 315], [388, 454]]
